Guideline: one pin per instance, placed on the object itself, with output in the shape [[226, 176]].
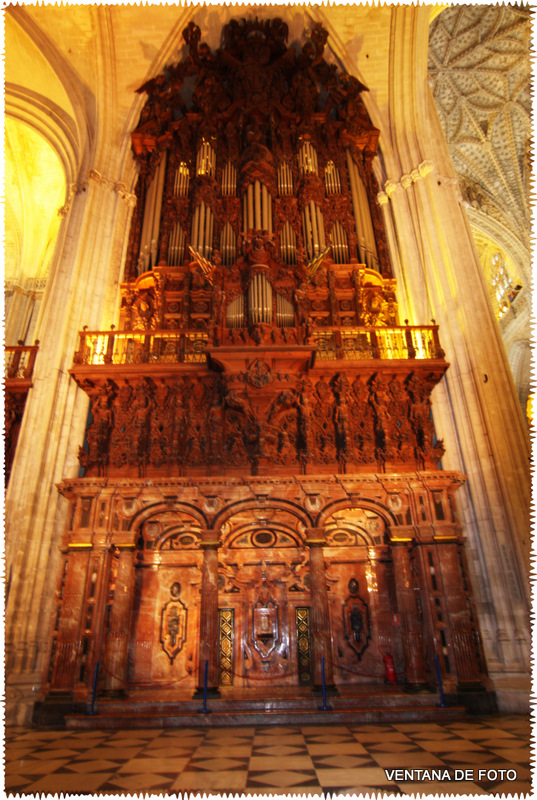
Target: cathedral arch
[[373, 506], [253, 505], [186, 509]]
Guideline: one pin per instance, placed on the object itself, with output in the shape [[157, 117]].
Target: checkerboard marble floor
[[310, 760]]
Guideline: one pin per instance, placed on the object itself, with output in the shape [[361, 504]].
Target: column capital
[[315, 537]]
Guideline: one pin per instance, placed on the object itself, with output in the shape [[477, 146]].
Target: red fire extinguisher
[[389, 666]]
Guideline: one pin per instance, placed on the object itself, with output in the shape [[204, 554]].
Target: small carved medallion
[[259, 374]]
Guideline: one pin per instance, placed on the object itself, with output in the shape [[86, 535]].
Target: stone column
[[120, 620], [208, 649], [476, 409], [81, 290], [408, 611], [460, 626], [68, 636], [320, 614]]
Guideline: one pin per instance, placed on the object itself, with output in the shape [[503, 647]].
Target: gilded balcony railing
[[141, 347], [19, 361], [182, 347], [357, 344]]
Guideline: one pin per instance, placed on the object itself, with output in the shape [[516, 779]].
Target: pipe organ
[[259, 420]]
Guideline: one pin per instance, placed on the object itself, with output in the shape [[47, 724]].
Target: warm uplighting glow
[[34, 190]]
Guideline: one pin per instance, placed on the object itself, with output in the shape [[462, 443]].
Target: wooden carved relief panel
[[263, 580]]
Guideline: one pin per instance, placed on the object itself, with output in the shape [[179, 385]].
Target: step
[[177, 716]]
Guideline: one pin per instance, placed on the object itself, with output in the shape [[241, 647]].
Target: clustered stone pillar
[[408, 610], [320, 614], [209, 614], [120, 618]]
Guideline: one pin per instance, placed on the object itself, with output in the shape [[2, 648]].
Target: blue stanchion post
[[94, 689], [324, 707], [443, 704], [204, 709]]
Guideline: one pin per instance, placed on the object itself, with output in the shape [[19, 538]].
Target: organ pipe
[[364, 227], [229, 179], [339, 244], [202, 230], [332, 179], [181, 181], [257, 208], [151, 223], [288, 244], [176, 247], [235, 313], [285, 315], [285, 179], [228, 245], [313, 227], [307, 159], [206, 159], [259, 300]]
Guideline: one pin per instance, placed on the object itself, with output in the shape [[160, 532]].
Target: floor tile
[[122, 753], [351, 748], [435, 788], [217, 764], [393, 747], [277, 750], [518, 755], [139, 783], [364, 776], [450, 745], [152, 766], [408, 760], [85, 767], [35, 767], [227, 781], [68, 782], [16, 781], [283, 763], [345, 762], [281, 779]]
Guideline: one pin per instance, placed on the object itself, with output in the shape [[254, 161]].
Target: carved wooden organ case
[[261, 481]]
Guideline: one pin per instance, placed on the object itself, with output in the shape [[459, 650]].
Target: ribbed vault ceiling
[[479, 71]]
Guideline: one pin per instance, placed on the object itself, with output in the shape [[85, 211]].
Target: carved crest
[[173, 624], [356, 621]]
